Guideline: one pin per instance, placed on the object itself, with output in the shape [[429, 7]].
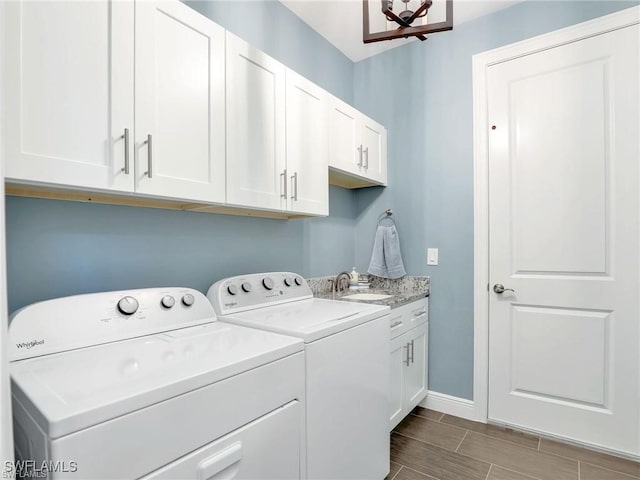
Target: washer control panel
[[246, 292], [84, 320]]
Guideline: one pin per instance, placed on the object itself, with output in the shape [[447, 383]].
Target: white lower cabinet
[[409, 360]]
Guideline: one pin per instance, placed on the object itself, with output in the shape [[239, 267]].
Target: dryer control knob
[[168, 301], [128, 305], [298, 281], [288, 281], [267, 283], [232, 289], [246, 287], [187, 300]]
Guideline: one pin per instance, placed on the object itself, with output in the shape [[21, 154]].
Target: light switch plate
[[432, 256]]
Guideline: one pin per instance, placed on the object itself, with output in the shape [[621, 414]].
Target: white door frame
[[6, 435], [481, 62]]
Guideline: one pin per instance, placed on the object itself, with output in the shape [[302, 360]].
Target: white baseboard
[[456, 406]]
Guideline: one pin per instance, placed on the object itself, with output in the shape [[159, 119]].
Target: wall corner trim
[[456, 406]]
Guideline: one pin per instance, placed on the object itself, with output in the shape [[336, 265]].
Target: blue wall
[[57, 248], [275, 30], [431, 163]]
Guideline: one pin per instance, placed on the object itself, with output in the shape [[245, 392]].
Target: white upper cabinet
[[256, 150], [374, 150], [149, 98], [277, 148], [179, 103], [307, 146], [358, 151], [69, 86], [68, 92]]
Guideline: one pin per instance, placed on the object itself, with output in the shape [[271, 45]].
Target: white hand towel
[[377, 265], [386, 259]]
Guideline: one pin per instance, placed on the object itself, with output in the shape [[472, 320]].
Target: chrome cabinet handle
[[407, 348], [294, 186], [283, 177], [420, 313], [125, 169], [360, 155], [149, 142], [411, 351], [396, 323], [366, 156], [499, 288]]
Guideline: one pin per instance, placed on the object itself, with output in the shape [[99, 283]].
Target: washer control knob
[[128, 305], [298, 281], [187, 300], [267, 283], [288, 281], [168, 301], [246, 287], [232, 289]]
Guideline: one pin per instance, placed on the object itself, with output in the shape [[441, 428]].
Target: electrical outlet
[[432, 256]]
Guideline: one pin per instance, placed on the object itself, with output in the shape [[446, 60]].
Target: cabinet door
[[307, 146], [345, 152], [399, 354], [374, 155], [415, 385], [180, 110], [68, 92], [256, 175]]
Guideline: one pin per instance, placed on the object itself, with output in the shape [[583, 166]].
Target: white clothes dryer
[[347, 367], [147, 384]]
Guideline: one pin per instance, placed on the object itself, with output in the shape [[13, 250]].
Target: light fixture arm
[[405, 29], [423, 8], [401, 22]]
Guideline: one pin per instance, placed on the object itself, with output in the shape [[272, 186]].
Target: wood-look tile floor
[[429, 445]]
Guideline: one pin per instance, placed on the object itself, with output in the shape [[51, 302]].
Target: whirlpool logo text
[[31, 344]]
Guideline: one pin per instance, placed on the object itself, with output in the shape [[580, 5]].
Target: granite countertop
[[403, 291]]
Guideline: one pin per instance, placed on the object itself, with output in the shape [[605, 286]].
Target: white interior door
[[179, 102], [563, 220], [307, 146], [6, 434]]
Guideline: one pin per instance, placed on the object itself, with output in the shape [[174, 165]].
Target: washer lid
[[70, 391], [310, 319]]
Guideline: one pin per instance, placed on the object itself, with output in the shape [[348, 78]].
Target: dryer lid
[[309, 319], [73, 390]]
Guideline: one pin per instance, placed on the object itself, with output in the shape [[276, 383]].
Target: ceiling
[[340, 21]]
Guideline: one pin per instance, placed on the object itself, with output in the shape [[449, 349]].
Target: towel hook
[[387, 214]]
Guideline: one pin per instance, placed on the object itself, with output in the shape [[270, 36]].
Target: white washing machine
[[147, 384], [347, 367]]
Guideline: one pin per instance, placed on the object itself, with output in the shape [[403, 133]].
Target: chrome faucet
[[341, 282]]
